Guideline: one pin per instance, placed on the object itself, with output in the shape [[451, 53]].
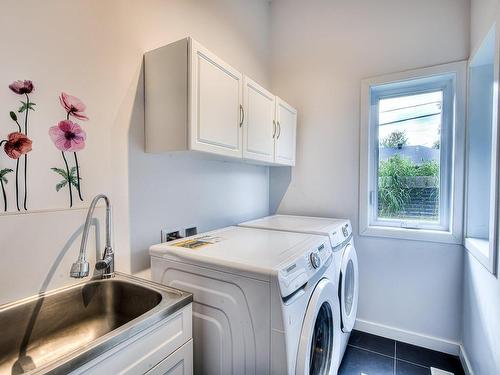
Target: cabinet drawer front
[[179, 362], [145, 350], [216, 96], [258, 129]]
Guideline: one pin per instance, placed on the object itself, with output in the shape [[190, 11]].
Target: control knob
[[345, 232], [315, 260]]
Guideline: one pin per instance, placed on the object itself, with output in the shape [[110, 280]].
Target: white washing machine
[[262, 303], [339, 232]]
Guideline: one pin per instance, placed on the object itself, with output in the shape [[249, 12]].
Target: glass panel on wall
[[409, 154]]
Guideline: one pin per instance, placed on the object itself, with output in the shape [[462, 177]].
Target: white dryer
[[262, 303], [339, 233]]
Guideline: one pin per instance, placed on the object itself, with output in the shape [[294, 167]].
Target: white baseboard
[[425, 341], [465, 361]]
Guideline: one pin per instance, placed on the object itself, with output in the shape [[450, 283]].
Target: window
[[412, 132]]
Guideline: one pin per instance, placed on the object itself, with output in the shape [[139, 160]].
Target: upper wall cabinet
[[195, 101], [258, 124], [481, 232], [215, 104], [286, 130]]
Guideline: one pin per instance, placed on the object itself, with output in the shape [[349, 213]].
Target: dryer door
[[348, 293], [319, 343]]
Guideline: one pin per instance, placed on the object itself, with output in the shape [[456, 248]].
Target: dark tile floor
[[374, 355]]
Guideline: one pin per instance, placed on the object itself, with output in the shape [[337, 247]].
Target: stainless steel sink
[[59, 331]]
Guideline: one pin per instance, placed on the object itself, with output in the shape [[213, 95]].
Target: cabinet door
[[179, 362], [215, 104], [259, 107], [286, 120], [142, 351]]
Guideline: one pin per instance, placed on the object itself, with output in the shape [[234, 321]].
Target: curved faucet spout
[[81, 267]]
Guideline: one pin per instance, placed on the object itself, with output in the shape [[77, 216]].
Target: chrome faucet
[[80, 268]]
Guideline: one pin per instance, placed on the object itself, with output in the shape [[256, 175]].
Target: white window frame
[[452, 155]]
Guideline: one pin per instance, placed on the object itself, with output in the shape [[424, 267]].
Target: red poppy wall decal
[[68, 136], [17, 143]]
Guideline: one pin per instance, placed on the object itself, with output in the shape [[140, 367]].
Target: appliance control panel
[[340, 235], [297, 273]]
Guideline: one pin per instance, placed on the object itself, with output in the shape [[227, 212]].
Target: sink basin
[[58, 331]]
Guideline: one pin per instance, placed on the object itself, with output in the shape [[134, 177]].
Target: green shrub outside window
[[400, 179]]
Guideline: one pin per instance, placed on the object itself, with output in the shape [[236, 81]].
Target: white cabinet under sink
[[164, 348], [178, 363], [195, 101]]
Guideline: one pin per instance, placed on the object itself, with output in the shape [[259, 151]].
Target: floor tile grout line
[[395, 356], [413, 363], [371, 351], [395, 363], [388, 356]]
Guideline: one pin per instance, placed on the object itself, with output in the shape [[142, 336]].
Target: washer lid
[[264, 252], [337, 230]]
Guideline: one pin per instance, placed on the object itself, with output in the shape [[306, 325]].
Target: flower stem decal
[[3, 182], [78, 177], [21, 88], [68, 136]]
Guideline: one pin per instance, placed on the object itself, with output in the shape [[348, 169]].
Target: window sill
[[425, 235], [478, 245]]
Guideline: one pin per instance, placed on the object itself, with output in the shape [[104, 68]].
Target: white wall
[[93, 49], [481, 301], [482, 16], [322, 49]]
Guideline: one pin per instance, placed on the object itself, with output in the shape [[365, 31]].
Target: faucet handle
[[107, 264], [104, 263]]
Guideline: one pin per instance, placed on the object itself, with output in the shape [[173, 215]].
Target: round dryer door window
[[319, 340], [349, 288], [321, 343]]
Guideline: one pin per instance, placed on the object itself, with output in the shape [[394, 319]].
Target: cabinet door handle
[[242, 115], [274, 128], [279, 130]]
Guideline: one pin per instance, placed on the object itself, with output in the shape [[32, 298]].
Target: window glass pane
[[409, 129]]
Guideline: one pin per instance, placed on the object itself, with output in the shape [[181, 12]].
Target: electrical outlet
[[174, 234], [170, 235]]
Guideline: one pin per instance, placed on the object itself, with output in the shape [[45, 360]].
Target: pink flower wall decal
[[68, 136], [16, 145], [73, 106], [22, 87]]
